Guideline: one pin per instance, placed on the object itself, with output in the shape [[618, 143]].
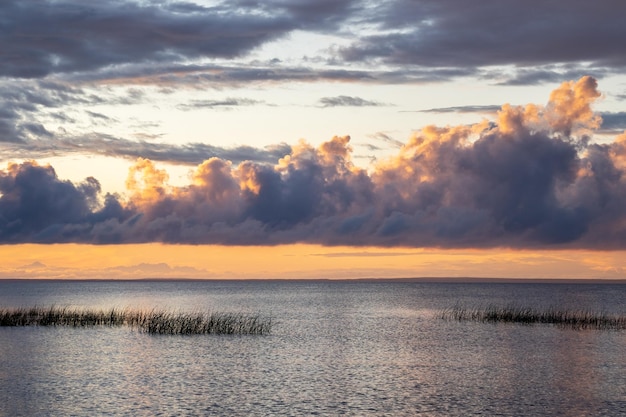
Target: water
[[337, 348]]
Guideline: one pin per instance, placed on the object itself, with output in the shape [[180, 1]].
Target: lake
[[336, 348]]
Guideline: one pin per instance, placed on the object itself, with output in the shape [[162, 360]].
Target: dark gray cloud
[[348, 101], [307, 14], [520, 76], [36, 206], [366, 254], [425, 41], [531, 76], [216, 75], [463, 109], [30, 107], [614, 121], [452, 33], [99, 116], [46, 37], [24, 103], [8, 129], [99, 144], [388, 139], [224, 103]]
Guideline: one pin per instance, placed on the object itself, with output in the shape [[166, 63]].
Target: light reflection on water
[[352, 348]]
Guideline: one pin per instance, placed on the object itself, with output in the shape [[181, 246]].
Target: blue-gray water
[[337, 348]]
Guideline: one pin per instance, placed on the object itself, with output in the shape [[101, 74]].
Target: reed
[[151, 322], [576, 319]]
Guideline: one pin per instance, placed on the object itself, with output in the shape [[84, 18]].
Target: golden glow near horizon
[[72, 261]]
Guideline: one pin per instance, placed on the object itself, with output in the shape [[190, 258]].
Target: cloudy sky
[[312, 138]]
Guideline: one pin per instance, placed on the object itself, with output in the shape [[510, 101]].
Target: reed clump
[[575, 319], [148, 321]]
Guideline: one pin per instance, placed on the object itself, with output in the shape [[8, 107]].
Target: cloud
[[35, 205], [463, 109], [136, 271], [236, 74], [549, 73], [400, 41], [23, 103], [448, 34], [106, 145], [387, 139], [152, 270], [365, 254], [49, 37], [224, 103], [531, 178], [26, 106], [34, 265], [347, 101], [613, 121], [99, 116], [69, 37]]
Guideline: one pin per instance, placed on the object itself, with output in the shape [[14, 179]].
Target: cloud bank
[[531, 178], [446, 33], [69, 36]]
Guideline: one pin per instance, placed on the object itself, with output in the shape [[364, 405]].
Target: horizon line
[[434, 280]]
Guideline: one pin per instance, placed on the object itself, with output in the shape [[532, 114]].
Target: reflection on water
[[352, 348]]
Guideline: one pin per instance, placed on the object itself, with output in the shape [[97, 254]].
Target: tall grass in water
[[576, 319], [151, 321], [200, 323]]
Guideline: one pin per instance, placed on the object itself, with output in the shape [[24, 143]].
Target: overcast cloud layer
[[530, 178], [52, 37]]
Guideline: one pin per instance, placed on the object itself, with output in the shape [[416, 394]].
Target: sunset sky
[[312, 139]]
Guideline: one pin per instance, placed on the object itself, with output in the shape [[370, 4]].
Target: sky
[[312, 139]]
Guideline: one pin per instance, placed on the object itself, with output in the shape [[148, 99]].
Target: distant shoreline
[[426, 280]]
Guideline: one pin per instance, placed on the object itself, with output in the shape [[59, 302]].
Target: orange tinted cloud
[[530, 179], [569, 107], [146, 183]]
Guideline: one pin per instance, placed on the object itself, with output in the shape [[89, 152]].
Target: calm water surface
[[337, 348]]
